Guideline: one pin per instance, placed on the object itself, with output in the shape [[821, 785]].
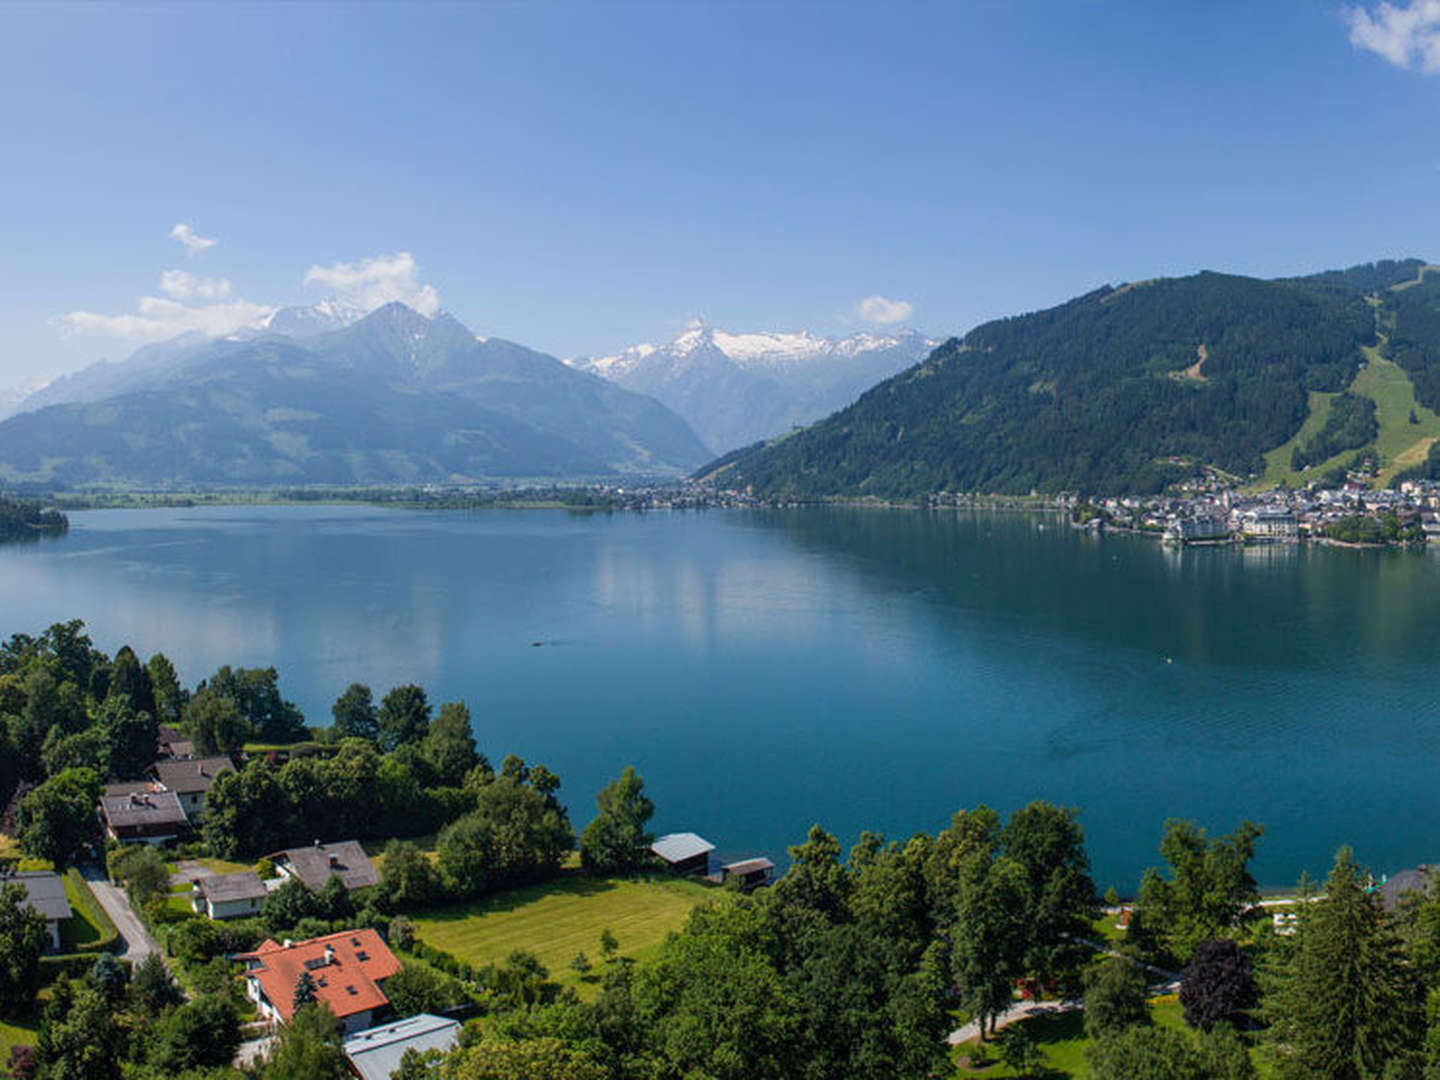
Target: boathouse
[[684, 853]]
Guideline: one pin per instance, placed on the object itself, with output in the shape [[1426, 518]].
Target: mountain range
[[1128, 388], [395, 397], [736, 389]]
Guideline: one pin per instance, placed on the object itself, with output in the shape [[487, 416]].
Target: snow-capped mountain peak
[[736, 388]]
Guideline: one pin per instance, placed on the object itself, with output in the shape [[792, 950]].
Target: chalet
[[349, 970], [45, 893], [142, 811], [228, 896], [190, 779], [376, 1054], [752, 873], [684, 853], [315, 865]]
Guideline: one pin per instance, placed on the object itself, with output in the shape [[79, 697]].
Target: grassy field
[[563, 917], [1399, 443], [1062, 1037]]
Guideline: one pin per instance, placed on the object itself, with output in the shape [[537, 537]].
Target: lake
[[860, 668]]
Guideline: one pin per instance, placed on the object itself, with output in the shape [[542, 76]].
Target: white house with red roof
[[348, 969]]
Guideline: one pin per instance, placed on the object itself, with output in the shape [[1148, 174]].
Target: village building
[[1269, 523], [751, 873], [348, 969], [170, 743], [45, 893], [190, 779], [376, 1054], [228, 896], [142, 811], [315, 865], [1396, 885], [684, 853]]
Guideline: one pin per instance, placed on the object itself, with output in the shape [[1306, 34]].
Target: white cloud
[[157, 318], [371, 283], [192, 241], [1407, 36], [884, 311], [182, 285]]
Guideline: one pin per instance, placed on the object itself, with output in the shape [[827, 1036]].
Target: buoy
[[536, 644]]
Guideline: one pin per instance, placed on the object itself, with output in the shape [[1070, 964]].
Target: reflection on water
[[855, 667]]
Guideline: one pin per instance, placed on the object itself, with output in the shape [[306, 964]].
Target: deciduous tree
[[617, 841]]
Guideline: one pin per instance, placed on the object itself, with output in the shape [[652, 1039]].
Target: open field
[[1400, 442], [1277, 461], [1062, 1038], [564, 917]]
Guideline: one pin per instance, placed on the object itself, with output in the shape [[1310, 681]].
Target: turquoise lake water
[[860, 668]]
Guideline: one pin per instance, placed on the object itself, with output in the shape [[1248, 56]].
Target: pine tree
[[1343, 1004], [304, 991]]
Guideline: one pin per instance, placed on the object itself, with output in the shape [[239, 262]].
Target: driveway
[[138, 942]]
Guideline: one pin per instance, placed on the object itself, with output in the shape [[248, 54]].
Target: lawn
[[1062, 1039], [564, 917], [1400, 443], [88, 923]]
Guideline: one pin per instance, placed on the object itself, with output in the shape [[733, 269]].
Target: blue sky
[[582, 176]]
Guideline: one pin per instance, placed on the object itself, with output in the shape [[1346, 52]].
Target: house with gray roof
[[45, 893], [684, 853], [315, 865], [228, 896], [375, 1054], [190, 779], [142, 812]]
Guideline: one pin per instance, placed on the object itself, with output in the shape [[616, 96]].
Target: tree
[[1157, 1053], [1115, 994], [1060, 901], [1342, 1005], [333, 901], [256, 693], [307, 1048], [110, 977], [288, 905], [416, 988], [130, 737], [23, 937], [988, 936], [1218, 985], [355, 714], [404, 716], [1209, 890], [408, 877], [581, 964], [143, 871], [170, 696], [57, 819], [1020, 1050], [130, 681], [616, 841], [609, 944], [79, 1039], [201, 1033], [304, 991], [449, 744], [152, 987], [217, 723]]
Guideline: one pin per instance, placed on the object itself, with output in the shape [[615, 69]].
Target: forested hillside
[[1121, 390]]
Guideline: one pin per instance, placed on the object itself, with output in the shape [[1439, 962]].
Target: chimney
[[334, 860], [329, 954], [289, 944], [317, 843]]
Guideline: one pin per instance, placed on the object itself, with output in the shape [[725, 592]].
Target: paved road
[[138, 942]]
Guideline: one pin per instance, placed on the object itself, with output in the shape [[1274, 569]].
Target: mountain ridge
[[1122, 389]]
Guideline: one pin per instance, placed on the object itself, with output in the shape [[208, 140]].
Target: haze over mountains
[[736, 389], [394, 397], [1128, 389]]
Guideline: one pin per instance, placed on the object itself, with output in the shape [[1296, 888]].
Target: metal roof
[[677, 847], [45, 892], [376, 1053], [748, 866]]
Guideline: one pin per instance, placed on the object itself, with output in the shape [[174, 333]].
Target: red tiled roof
[[348, 984]]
